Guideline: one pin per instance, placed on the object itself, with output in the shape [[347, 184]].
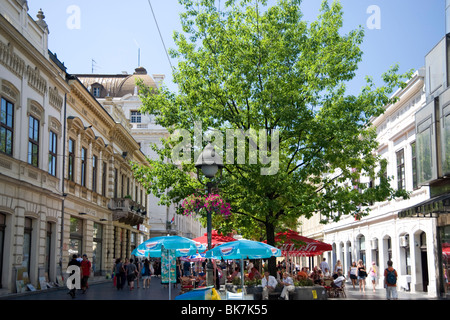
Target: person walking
[[146, 274], [390, 282], [131, 274], [85, 266], [119, 272], [353, 273], [362, 274], [373, 275], [139, 266], [73, 262]]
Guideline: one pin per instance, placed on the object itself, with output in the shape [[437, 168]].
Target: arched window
[[362, 248]]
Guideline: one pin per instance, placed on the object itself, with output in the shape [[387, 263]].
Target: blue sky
[[110, 32]]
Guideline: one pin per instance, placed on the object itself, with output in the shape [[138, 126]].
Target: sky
[[113, 33]]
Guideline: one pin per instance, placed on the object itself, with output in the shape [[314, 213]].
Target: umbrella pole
[[242, 277], [170, 269]]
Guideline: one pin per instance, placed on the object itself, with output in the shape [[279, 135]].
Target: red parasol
[[292, 244], [446, 252], [216, 239]]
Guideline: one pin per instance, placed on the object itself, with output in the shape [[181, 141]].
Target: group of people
[[85, 270], [132, 270], [357, 273], [198, 272]]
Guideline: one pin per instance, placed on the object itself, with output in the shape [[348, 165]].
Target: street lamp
[[209, 162]]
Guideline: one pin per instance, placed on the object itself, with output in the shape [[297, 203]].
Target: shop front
[[437, 208]]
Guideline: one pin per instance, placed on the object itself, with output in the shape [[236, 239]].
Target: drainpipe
[[63, 186]]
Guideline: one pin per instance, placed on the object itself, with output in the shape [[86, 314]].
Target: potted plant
[[251, 286], [212, 203]]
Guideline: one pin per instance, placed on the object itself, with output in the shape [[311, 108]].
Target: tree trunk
[[270, 231]]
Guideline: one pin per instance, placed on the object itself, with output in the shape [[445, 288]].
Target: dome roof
[[128, 85]]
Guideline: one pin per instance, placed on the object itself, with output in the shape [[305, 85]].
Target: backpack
[[391, 278]]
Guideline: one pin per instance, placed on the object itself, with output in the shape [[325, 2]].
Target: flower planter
[[309, 293], [300, 293]]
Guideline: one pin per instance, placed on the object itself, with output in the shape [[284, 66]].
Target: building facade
[[119, 95], [414, 137], [105, 208], [383, 236], [66, 185], [32, 91]]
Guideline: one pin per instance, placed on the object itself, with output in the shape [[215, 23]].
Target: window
[[97, 246], [33, 141], [104, 173], [48, 248], [2, 241], [116, 177], [362, 248], [76, 236], [6, 127], [52, 153], [83, 166], [71, 165], [414, 165], [123, 186], [26, 262], [400, 169], [135, 117], [96, 92], [94, 173]]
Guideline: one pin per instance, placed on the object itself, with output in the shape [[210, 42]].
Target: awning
[[429, 208]]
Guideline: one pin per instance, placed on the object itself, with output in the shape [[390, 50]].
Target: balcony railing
[[127, 211]]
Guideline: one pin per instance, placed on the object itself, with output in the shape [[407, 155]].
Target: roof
[[117, 85]]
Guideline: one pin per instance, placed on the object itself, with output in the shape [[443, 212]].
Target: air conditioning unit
[[374, 244], [404, 241]]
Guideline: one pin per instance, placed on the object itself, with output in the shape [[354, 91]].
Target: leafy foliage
[[249, 66]]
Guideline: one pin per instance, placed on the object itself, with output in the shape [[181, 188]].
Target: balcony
[[127, 211]]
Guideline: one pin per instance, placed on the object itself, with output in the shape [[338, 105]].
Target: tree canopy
[[250, 66]]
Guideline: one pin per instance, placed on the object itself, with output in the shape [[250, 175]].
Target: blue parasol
[[152, 247], [243, 249]]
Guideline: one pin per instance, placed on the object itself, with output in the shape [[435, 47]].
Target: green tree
[[250, 66]]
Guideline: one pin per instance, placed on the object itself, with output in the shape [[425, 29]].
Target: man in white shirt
[[268, 283], [324, 265], [288, 286], [339, 281]]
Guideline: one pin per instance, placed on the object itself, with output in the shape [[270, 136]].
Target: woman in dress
[[362, 274], [353, 272], [373, 274]]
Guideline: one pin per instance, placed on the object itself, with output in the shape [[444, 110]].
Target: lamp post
[[209, 162]]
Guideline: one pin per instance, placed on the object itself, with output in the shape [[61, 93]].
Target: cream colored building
[[383, 235], [119, 96], [105, 209], [32, 90], [66, 185]]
